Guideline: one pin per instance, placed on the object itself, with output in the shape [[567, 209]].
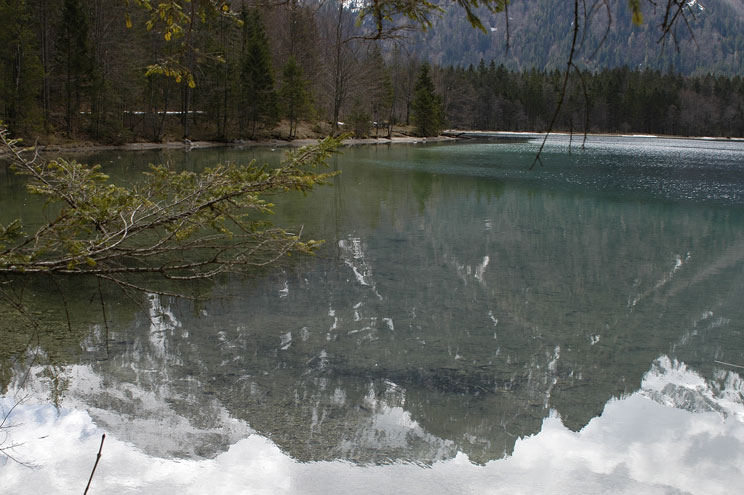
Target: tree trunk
[[45, 62]]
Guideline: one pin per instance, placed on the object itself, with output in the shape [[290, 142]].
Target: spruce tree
[[359, 119], [295, 96], [20, 69], [381, 91], [259, 95], [75, 58], [427, 105]]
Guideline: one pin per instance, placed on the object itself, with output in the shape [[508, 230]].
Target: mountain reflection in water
[[636, 445], [462, 311]]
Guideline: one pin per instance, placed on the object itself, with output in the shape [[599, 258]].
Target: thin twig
[[98, 458], [5, 427], [607, 30], [565, 85], [508, 36], [64, 302], [729, 364], [103, 312], [586, 106]]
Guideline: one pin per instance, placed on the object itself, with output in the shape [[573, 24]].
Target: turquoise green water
[[458, 300]]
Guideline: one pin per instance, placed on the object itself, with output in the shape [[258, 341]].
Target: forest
[[611, 100], [92, 71]]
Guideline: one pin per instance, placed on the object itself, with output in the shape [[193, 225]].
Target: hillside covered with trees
[[95, 70], [710, 38]]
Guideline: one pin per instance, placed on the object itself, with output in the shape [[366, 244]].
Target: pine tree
[[76, 58], [427, 105], [20, 69], [259, 96], [294, 94], [359, 119], [380, 90]]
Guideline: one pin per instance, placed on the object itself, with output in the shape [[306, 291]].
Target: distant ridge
[[540, 35]]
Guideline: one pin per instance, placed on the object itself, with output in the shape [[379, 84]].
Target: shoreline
[[446, 135], [473, 134], [268, 143]]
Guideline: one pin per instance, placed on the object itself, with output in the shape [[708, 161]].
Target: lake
[[469, 326]]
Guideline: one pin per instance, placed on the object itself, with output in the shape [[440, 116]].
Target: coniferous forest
[[611, 100], [83, 71]]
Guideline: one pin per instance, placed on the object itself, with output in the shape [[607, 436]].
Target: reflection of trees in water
[[60, 321]]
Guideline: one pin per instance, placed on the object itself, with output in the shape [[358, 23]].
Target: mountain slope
[[540, 33]]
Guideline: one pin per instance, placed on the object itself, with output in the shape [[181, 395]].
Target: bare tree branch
[[569, 64]]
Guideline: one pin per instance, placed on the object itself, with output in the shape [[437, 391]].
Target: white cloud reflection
[[651, 442]]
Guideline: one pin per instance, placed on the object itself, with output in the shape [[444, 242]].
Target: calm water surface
[[468, 327]]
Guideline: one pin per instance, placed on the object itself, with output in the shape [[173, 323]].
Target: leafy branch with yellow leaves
[[177, 19]]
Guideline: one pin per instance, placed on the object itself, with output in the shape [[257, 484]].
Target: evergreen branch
[[180, 226]]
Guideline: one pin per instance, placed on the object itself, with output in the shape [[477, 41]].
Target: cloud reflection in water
[[678, 434]]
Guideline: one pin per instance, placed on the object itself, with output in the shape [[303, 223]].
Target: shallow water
[[467, 320]]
